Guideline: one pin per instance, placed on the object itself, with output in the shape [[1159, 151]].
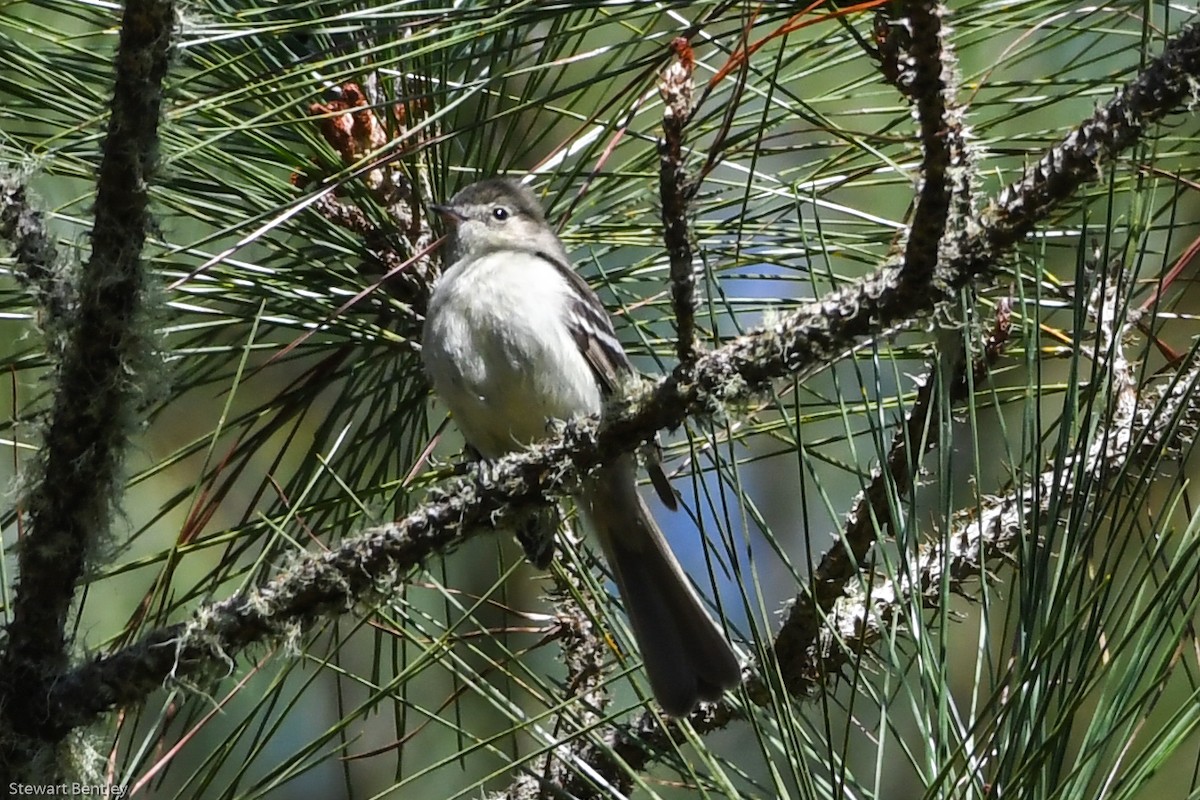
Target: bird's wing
[[593, 332]]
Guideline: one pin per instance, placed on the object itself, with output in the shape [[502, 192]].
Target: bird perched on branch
[[514, 338]]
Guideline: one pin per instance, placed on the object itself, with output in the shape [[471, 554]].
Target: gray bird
[[514, 337]]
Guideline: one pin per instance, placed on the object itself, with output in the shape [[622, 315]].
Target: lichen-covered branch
[[992, 531], [1168, 82], [872, 511], [924, 71], [68, 509], [33, 250], [1163, 421]]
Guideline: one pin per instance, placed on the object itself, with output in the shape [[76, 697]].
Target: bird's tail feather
[[687, 656]]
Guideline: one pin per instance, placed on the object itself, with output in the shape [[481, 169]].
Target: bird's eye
[[500, 213]]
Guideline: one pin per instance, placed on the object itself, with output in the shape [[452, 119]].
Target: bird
[[514, 338]]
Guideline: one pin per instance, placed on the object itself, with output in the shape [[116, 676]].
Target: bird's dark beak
[[448, 213]]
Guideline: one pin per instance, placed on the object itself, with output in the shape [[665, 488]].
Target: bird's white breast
[[499, 352]]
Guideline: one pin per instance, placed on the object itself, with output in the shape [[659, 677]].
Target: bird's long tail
[[687, 656]]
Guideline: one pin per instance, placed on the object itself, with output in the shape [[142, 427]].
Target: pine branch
[[798, 344], [69, 509], [991, 533], [924, 71]]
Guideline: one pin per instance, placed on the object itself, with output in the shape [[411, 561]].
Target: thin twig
[[927, 76], [675, 189], [583, 651]]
